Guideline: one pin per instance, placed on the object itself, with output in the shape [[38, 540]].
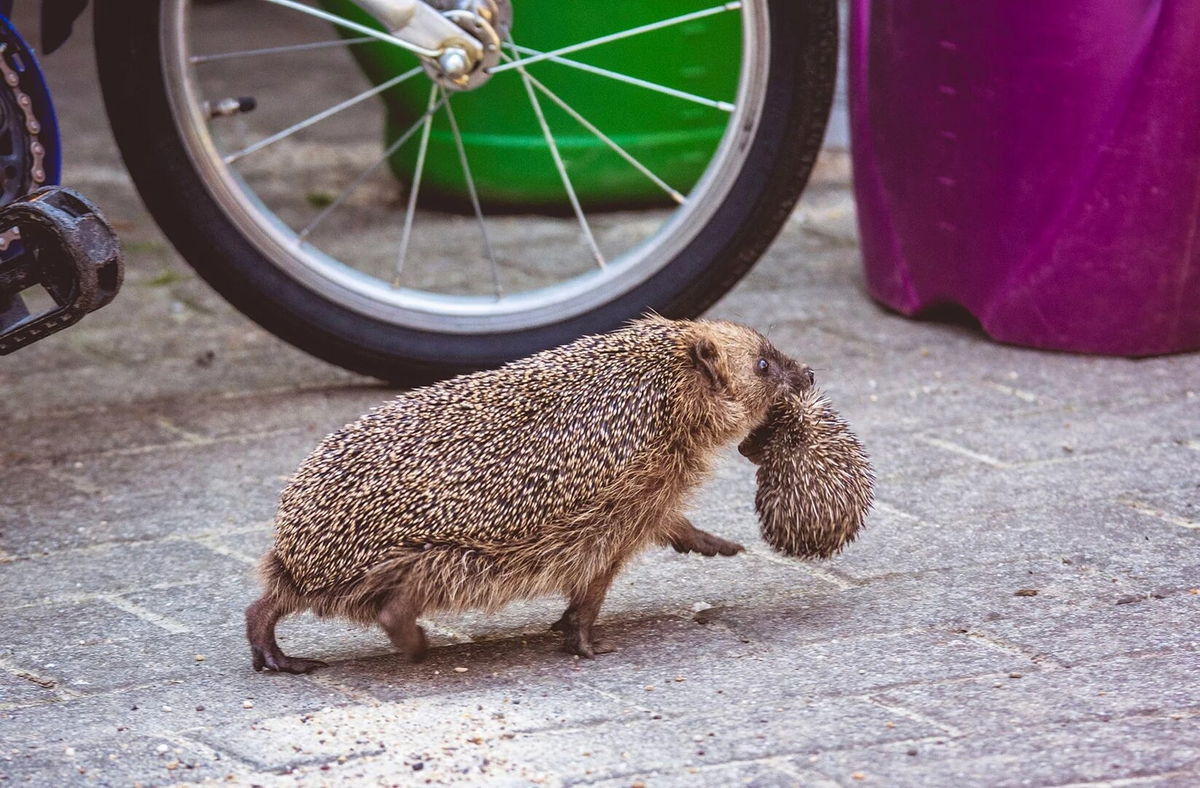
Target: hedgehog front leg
[[687, 538], [576, 623]]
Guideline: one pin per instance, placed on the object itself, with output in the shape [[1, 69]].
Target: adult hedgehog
[[542, 477]]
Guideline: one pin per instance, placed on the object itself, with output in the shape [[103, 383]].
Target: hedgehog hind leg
[[398, 618], [261, 618], [576, 624]]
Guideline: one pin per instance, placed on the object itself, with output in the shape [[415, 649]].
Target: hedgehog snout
[[800, 377]]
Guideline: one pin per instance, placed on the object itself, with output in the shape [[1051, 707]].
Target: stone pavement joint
[[149, 616], [897, 709], [1008, 648], [830, 576], [1021, 394], [954, 447], [1167, 517]]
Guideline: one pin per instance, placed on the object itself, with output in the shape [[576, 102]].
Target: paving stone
[[115, 663], [66, 438], [246, 544], [412, 728], [122, 758], [739, 734], [1160, 685], [180, 490], [201, 606], [799, 669], [666, 581], [899, 459], [1055, 435], [448, 738], [908, 389], [952, 600], [1100, 478], [827, 261], [206, 699], [1079, 380], [158, 378], [62, 439], [97, 646], [68, 624], [1052, 755], [756, 774], [1135, 623], [894, 542], [109, 569]]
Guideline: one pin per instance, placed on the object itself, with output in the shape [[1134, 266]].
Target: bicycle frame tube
[[58, 16]]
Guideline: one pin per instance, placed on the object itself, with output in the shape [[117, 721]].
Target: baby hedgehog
[[815, 483], [544, 476]]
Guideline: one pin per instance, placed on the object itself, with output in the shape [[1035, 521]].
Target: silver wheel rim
[[423, 310]]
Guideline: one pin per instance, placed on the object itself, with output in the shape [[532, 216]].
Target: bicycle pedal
[[57, 240]]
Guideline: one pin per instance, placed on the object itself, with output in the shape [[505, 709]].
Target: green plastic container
[[508, 155]]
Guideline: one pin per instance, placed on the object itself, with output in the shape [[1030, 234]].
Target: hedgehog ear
[[706, 358]]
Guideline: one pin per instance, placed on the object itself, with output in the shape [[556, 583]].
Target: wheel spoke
[[276, 50], [416, 185], [677, 20], [558, 162], [604, 72], [674, 195], [320, 116], [355, 26], [387, 154], [462, 156]]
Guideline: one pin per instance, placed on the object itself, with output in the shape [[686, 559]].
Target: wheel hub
[[463, 66]]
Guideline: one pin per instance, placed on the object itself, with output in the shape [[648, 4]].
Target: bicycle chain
[[37, 171]]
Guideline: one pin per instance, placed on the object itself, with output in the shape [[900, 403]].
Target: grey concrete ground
[[1022, 609]]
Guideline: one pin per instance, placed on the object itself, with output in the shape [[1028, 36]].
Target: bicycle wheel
[[292, 212]]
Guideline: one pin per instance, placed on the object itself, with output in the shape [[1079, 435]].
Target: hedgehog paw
[[282, 663], [574, 640], [707, 544], [417, 648], [587, 649]]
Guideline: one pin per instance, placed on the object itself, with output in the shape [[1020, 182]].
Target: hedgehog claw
[[282, 663], [580, 648], [730, 548], [300, 666]]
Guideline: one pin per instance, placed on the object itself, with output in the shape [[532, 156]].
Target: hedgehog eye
[[763, 366]]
